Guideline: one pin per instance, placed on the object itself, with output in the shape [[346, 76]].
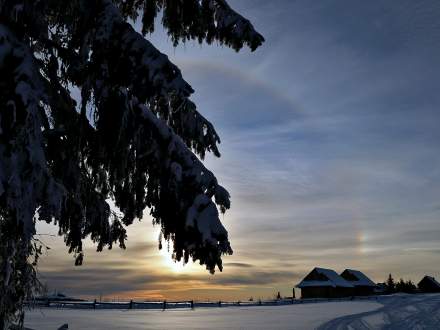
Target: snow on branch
[[203, 20], [25, 181], [149, 75], [195, 167], [163, 76], [200, 214], [149, 162], [232, 28]]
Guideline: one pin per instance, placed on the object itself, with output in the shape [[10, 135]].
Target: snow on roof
[[362, 279], [330, 278]]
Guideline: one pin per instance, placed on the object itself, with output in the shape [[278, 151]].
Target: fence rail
[[188, 304]]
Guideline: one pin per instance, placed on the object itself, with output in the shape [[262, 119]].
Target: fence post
[[131, 304], [192, 304], [164, 304], [219, 303], [94, 304]]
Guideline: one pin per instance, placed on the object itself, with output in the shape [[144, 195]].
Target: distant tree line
[[401, 286]]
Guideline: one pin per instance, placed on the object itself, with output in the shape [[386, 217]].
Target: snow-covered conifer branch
[[149, 75], [203, 20], [194, 208], [134, 138], [25, 181]]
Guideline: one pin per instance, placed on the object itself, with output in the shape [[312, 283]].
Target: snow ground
[[392, 312], [399, 312], [307, 316]]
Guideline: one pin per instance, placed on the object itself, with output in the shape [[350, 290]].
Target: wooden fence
[[189, 304]]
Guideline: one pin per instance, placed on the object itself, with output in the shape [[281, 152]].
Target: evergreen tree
[[410, 287], [401, 286], [133, 136], [405, 286], [391, 287]]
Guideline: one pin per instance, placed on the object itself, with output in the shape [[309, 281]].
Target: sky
[[330, 151]]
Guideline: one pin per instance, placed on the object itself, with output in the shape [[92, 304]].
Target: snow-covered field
[[399, 312], [393, 312]]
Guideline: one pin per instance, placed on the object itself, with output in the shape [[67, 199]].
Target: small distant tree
[[278, 295], [391, 286], [410, 287], [400, 286], [405, 286]]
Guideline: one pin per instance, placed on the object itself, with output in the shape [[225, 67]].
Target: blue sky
[[330, 150]]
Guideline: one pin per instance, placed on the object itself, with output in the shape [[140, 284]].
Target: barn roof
[[328, 277], [362, 279], [432, 280]]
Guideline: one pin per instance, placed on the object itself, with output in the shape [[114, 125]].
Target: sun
[[174, 266], [167, 263]]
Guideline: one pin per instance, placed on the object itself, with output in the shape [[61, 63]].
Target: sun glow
[[177, 266], [169, 263]]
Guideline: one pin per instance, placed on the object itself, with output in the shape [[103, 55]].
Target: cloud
[[238, 265], [257, 278], [91, 281], [329, 150], [424, 235]]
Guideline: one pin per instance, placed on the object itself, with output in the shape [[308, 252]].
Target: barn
[[324, 283], [429, 284], [363, 286]]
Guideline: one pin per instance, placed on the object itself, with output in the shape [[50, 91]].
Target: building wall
[[326, 292], [363, 290], [316, 292]]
